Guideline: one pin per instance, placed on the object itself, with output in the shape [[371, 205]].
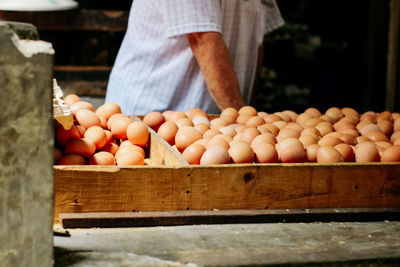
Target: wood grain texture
[[226, 187]]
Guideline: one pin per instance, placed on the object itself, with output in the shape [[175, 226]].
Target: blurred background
[[329, 53]]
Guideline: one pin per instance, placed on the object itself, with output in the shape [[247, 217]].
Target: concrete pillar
[[26, 148]]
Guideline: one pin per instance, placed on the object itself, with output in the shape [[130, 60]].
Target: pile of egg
[[247, 136], [100, 137]]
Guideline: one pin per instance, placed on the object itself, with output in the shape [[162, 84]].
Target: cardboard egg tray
[[168, 183]]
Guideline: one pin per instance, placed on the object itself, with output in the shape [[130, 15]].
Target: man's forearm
[[212, 55]]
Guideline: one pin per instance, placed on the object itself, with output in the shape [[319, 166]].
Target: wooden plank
[[226, 187], [71, 20], [172, 218], [393, 56]]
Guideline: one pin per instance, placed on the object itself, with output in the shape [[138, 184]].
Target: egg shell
[[167, 114], [287, 142], [184, 122], [248, 111], [97, 135], [312, 151], [346, 151], [103, 122], [293, 154], [228, 130], [310, 130], [211, 133], [202, 127], [198, 113], [218, 141], [254, 121], [219, 121], [71, 99], [81, 130], [138, 133], [120, 126], [348, 111], [287, 133], [394, 136], [370, 128], [110, 137], [313, 112], [215, 155], [167, 131], [329, 141], [82, 146], [280, 124], [191, 112], [192, 154], [391, 154], [241, 153], [328, 154], [263, 138], [154, 120], [312, 122], [293, 115], [64, 136], [108, 109], [177, 115], [376, 136], [113, 118], [271, 118], [384, 144], [202, 142], [201, 119], [57, 155], [75, 107], [185, 137], [242, 119], [127, 148], [295, 126], [130, 158], [327, 118], [72, 159], [361, 139], [335, 113], [102, 158], [348, 139], [87, 118], [111, 147], [265, 153], [366, 152], [249, 134], [324, 128], [284, 117], [307, 139], [386, 127], [230, 112], [303, 118]]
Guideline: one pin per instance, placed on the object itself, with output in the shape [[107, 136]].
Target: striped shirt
[[155, 69]]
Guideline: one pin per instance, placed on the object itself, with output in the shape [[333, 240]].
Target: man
[[181, 54]]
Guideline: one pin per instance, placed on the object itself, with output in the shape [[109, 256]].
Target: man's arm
[[212, 55]]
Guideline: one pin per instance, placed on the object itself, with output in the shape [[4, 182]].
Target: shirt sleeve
[[189, 16], [272, 16]]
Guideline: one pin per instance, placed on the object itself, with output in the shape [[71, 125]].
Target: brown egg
[[287, 133], [367, 152], [108, 109], [81, 130], [312, 151], [335, 113], [219, 121], [241, 152], [217, 141], [361, 139], [327, 154], [71, 99], [293, 115], [184, 122], [57, 155], [216, 127], [72, 159], [348, 139], [97, 135], [75, 107], [396, 142], [167, 114], [192, 154], [284, 117], [271, 118], [385, 115], [127, 149], [343, 125], [111, 147], [130, 158], [307, 139], [215, 155], [287, 142], [329, 141], [268, 128], [370, 128], [280, 124], [113, 118], [230, 112], [102, 158], [327, 118], [346, 151], [154, 120], [249, 134], [394, 137], [376, 136], [191, 112], [303, 118], [386, 127], [312, 122], [185, 137], [230, 120], [202, 142], [202, 127], [334, 134], [201, 119], [391, 154], [199, 113], [138, 133], [384, 144], [396, 124], [211, 133], [167, 131], [255, 121], [228, 130], [310, 130], [87, 118], [263, 138], [295, 126], [265, 153], [351, 132], [82, 146], [313, 112], [119, 127], [177, 115], [110, 137], [103, 122], [248, 111], [242, 119], [293, 154], [347, 111], [324, 128], [226, 137], [64, 136]]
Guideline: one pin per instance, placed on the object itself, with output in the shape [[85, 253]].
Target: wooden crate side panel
[[225, 187]]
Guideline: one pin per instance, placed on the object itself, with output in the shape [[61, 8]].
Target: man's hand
[[212, 55]]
